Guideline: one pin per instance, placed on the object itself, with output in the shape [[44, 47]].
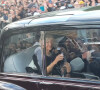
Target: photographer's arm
[[68, 69], [50, 67]]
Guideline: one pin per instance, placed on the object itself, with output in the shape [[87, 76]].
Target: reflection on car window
[[18, 43], [73, 53], [23, 53]]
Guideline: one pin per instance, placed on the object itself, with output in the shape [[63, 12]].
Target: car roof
[[88, 17], [91, 43], [44, 18], [70, 17]]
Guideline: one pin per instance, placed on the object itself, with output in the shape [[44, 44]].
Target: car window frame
[[16, 31], [46, 28], [69, 78]]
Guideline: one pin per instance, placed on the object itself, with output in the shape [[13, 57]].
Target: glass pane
[[72, 53], [23, 53]]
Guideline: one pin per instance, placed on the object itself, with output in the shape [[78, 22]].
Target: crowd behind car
[[14, 10]]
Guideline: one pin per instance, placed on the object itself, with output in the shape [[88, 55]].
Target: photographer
[[54, 59]]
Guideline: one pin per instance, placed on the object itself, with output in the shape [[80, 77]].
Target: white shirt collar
[[36, 43]]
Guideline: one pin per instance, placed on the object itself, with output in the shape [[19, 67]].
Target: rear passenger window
[[17, 43], [23, 53], [73, 53]]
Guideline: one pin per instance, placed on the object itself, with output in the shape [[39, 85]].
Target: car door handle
[[47, 83]]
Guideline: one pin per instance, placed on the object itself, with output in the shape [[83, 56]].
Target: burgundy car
[[29, 48]]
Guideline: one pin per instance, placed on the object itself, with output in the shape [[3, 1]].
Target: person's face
[[18, 0], [20, 8], [12, 8], [25, 0], [25, 8], [9, 4], [33, 9], [50, 5], [49, 44], [12, 12], [59, 4], [0, 8], [17, 12], [4, 12]]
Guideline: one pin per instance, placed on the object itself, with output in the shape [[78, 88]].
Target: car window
[[18, 43], [23, 53], [73, 53]]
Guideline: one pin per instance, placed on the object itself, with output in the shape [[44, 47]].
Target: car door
[[19, 48], [80, 77], [67, 84]]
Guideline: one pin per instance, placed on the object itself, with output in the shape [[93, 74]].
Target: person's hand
[[3, 20], [18, 17], [59, 58], [13, 16], [9, 15], [68, 67], [36, 63]]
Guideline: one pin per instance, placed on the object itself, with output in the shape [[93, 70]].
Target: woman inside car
[[55, 60]]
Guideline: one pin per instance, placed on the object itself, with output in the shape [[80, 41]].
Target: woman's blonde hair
[[49, 37]]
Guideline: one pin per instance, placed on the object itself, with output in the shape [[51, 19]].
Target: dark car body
[[84, 20], [9, 86]]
